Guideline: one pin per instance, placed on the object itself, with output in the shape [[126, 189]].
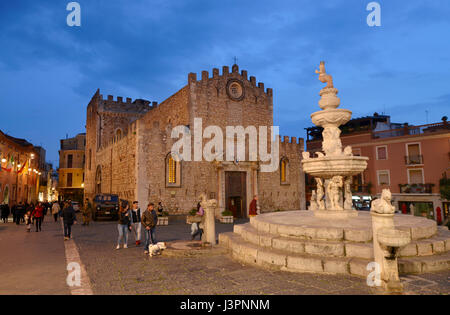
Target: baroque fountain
[[331, 237]]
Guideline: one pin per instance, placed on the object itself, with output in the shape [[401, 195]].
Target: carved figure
[[324, 77], [331, 144], [383, 205], [306, 155], [348, 151], [320, 193], [334, 189], [313, 203], [348, 204]]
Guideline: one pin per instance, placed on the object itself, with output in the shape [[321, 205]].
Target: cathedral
[[129, 148]]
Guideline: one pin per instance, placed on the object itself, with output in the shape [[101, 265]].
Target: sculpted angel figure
[[323, 76], [313, 203]]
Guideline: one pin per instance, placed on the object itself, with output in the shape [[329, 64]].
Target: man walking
[[55, 210], [69, 218], [136, 222], [149, 221], [87, 211], [19, 212]]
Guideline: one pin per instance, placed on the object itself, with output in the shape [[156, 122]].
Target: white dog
[[156, 249]]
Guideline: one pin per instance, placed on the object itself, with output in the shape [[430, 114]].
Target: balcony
[[413, 159], [416, 188]]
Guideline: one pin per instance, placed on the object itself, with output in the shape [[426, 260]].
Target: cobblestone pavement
[[207, 271], [32, 263]]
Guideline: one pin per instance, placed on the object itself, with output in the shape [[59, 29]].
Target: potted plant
[[192, 217], [164, 218], [227, 217]]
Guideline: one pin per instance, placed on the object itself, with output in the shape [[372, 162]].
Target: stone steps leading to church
[[438, 244], [250, 253]]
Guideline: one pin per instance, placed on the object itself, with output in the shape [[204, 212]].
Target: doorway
[[235, 193]]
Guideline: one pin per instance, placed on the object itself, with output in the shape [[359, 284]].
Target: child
[[28, 220]]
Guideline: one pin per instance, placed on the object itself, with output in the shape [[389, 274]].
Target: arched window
[[284, 171], [119, 133], [173, 171]]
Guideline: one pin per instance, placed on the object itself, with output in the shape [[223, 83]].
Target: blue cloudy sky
[[146, 48]]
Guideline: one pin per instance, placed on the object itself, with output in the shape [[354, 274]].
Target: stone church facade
[[128, 145]]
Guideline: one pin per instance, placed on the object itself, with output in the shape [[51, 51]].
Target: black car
[[106, 206]]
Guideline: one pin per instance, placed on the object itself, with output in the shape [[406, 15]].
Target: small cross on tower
[[235, 60]]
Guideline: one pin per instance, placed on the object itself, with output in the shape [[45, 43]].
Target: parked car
[[106, 206], [76, 206]]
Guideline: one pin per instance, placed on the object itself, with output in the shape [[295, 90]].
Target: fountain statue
[[335, 165]]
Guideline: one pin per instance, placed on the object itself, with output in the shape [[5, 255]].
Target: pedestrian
[[87, 212], [69, 218], [44, 211], [160, 209], [28, 221], [19, 209], [149, 221], [38, 214], [5, 212], [55, 210], [253, 209], [124, 224], [136, 222], [197, 227]]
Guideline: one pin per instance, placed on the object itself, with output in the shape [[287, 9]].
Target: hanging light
[[3, 160]]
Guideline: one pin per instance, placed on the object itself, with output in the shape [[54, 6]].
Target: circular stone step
[[305, 225]]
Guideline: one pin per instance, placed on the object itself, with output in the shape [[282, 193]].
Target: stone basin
[[329, 166], [331, 117], [393, 238]]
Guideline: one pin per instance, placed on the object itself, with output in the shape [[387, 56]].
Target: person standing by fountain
[[253, 209]]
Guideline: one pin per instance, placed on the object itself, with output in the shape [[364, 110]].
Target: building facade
[[128, 148], [71, 168], [409, 160], [19, 170]]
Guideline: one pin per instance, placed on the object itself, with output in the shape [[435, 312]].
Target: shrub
[[193, 211], [227, 213]]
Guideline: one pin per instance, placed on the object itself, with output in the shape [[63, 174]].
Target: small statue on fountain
[[319, 194], [348, 203], [324, 77], [313, 203], [334, 189]]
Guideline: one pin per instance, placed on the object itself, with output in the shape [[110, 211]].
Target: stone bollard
[[387, 241], [209, 227]]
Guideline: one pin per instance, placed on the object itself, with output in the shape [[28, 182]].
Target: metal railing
[[413, 159], [412, 130], [416, 188]]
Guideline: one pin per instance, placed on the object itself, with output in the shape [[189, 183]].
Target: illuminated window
[[173, 171], [284, 170]]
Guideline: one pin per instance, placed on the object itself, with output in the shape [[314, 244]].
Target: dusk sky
[[145, 49]]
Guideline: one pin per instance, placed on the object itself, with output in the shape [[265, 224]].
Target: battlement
[[119, 105], [293, 141], [243, 75]]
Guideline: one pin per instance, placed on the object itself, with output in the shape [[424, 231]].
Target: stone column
[[209, 227]]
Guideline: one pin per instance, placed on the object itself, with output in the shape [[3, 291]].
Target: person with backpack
[[124, 225], [149, 221]]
